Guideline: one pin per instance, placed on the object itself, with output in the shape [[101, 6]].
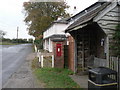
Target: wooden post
[[49, 48], [75, 55], [118, 74], [107, 40], [42, 61], [52, 61], [39, 56], [35, 48]]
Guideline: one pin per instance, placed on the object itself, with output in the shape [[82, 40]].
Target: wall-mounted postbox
[[58, 49]]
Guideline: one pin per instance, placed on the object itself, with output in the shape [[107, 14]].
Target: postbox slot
[[58, 49]]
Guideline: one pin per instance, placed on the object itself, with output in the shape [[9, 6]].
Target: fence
[[97, 62], [113, 63], [46, 59]]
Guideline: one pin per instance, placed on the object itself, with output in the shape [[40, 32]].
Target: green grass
[[35, 63], [7, 43], [54, 77]]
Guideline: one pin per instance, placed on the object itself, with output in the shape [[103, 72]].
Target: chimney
[[59, 18], [74, 7], [74, 10]]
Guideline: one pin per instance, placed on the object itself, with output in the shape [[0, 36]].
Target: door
[[66, 56], [82, 50]]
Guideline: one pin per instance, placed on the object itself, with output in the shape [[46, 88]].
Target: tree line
[[17, 40]]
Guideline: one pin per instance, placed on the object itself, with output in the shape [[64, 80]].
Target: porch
[[90, 47]]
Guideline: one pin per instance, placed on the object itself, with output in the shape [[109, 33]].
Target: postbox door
[[58, 49]]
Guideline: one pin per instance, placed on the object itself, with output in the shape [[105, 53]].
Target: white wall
[[48, 45], [45, 45], [56, 28]]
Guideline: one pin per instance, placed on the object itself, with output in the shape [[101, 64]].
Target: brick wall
[[71, 53], [59, 60]]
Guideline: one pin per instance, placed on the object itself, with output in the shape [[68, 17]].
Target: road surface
[[12, 58]]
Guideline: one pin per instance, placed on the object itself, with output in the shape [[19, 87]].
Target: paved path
[[24, 78], [13, 56], [82, 81]]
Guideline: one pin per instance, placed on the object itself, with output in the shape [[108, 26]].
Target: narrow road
[[12, 58]]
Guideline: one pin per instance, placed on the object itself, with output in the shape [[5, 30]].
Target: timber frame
[[99, 21]]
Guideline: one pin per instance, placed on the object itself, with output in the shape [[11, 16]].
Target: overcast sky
[[11, 15]]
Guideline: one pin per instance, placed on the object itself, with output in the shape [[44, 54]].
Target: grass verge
[[7, 43], [35, 63], [54, 77]]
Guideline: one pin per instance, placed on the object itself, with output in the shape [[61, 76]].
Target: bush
[[116, 44], [39, 43]]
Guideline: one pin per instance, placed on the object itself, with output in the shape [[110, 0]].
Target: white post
[[45, 46], [52, 61], [49, 45], [35, 48], [41, 60], [39, 56]]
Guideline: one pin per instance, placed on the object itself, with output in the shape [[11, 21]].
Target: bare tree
[[2, 34]]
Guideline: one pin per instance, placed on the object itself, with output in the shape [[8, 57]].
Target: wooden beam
[[106, 10], [75, 54], [107, 47]]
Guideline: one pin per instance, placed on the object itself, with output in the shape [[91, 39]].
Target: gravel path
[[24, 78]]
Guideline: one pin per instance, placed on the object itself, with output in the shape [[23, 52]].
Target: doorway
[[90, 42]]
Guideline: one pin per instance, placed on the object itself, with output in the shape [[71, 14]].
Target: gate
[[114, 64], [66, 56]]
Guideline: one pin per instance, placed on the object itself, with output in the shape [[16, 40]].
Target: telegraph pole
[[17, 32], [17, 35]]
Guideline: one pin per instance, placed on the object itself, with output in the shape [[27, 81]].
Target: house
[[54, 33], [56, 41], [92, 35]]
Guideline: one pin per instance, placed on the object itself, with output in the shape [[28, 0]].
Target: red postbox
[[58, 49]]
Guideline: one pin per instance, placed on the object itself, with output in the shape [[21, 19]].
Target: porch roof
[[56, 36], [87, 17]]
